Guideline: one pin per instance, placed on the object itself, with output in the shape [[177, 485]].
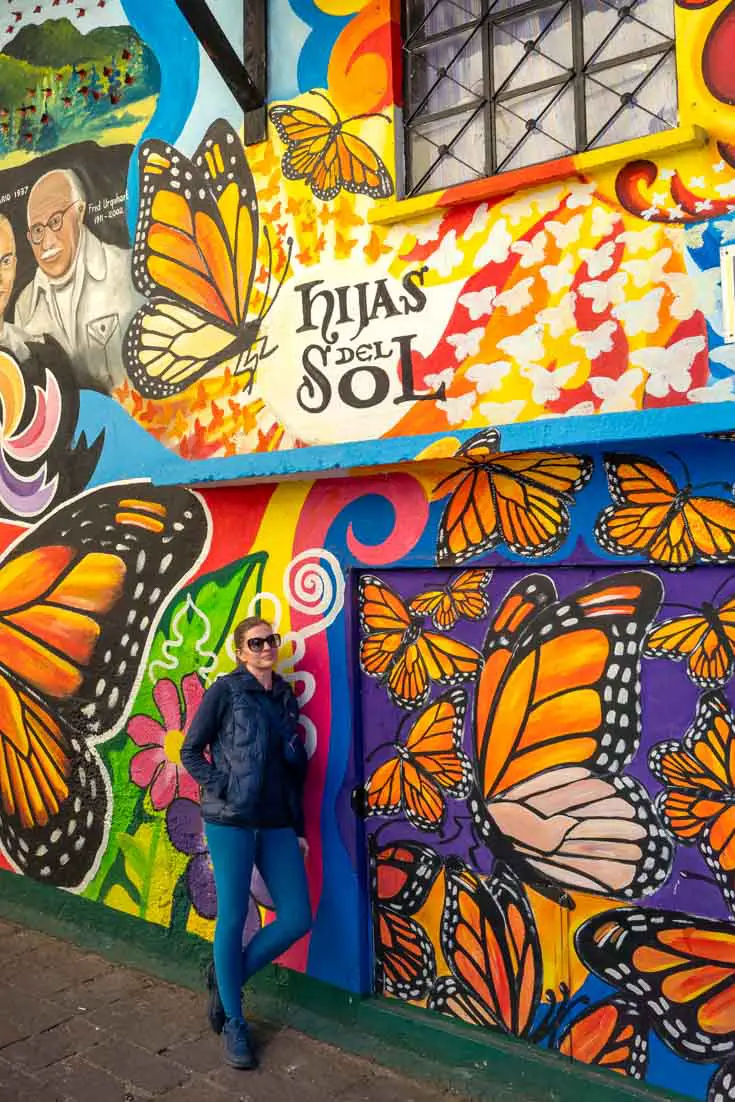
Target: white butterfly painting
[[640, 315], [650, 270], [479, 221], [501, 413], [447, 256], [558, 277], [565, 233], [428, 231], [721, 391], [668, 368], [726, 229], [440, 378], [548, 385], [466, 344], [580, 195], [618, 395], [531, 252], [497, 247], [596, 341], [489, 377], [459, 409], [560, 319], [604, 221], [724, 355], [516, 298], [604, 293], [599, 260], [479, 304], [525, 347], [636, 241]]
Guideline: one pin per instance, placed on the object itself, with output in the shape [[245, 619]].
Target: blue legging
[[234, 850]]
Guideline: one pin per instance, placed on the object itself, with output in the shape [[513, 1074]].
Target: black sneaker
[[238, 1048], [215, 1010]]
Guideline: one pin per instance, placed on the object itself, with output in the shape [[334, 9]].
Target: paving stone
[[159, 1021], [199, 1054], [44, 971], [23, 941], [28, 1014], [133, 1064], [200, 1090], [297, 1059], [392, 1088], [17, 1086], [78, 1079], [102, 990], [42, 1049]]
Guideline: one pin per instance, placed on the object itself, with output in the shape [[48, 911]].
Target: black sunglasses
[[259, 642]]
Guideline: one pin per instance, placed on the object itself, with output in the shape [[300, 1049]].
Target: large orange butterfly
[[427, 766], [80, 595], [557, 718], [612, 1034], [401, 876], [490, 943], [704, 637], [679, 967], [396, 649], [327, 156], [463, 596], [519, 498], [194, 256], [652, 516], [698, 774]]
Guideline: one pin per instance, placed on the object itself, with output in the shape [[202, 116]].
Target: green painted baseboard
[[473, 1062]]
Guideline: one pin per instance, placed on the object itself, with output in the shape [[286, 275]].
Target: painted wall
[[246, 301], [513, 667], [519, 717]]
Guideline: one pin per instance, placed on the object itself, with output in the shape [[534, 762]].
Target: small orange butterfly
[[327, 156], [396, 648], [427, 766], [463, 596], [652, 516]]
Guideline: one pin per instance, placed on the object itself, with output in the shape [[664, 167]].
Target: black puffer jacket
[[258, 761]]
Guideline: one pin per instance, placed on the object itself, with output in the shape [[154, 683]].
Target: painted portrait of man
[[11, 338], [81, 293]]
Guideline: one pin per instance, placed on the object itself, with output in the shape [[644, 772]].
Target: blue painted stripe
[[162, 26], [131, 452]]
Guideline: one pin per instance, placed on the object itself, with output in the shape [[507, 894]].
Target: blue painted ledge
[[130, 452]]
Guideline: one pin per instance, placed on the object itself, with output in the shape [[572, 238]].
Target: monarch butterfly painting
[[425, 768], [327, 156], [401, 876], [80, 594], [679, 967], [612, 1034], [396, 648], [557, 718], [194, 257], [704, 637], [652, 516], [521, 499], [462, 597], [698, 800], [490, 943]]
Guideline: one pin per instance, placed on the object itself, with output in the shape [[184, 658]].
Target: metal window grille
[[495, 85]]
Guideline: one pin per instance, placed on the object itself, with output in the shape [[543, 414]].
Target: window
[[495, 85]]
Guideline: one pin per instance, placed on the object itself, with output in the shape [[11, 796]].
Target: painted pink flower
[[157, 765]]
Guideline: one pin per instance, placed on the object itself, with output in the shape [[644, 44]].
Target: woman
[[251, 803]]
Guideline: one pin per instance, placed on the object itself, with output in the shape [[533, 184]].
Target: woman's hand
[[304, 847]]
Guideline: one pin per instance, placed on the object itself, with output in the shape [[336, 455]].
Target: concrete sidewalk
[[76, 1028]]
